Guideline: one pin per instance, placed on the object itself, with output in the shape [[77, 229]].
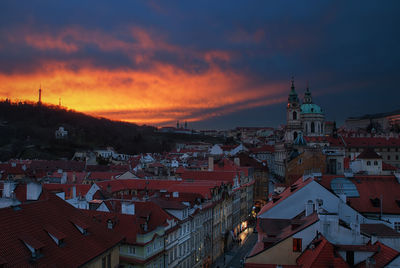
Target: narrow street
[[233, 257]]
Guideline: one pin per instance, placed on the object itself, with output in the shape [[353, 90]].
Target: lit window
[[296, 244]]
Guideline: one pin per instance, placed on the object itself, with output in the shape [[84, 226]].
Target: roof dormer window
[[81, 226], [57, 236], [33, 245]]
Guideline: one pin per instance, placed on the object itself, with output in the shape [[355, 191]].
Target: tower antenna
[[40, 94]]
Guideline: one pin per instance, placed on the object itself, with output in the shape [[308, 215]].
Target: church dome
[[310, 108]]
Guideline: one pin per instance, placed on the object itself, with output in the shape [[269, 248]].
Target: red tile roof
[[81, 189], [32, 220], [143, 210], [103, 176], [276, 230], [372, 188], [380, 230], [382, 257], [386, 166], [224, 176], [260, 265], [320, 253], [368, 153], [263, 149], [285, 194]]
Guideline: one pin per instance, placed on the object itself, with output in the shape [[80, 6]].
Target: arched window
[[368, 163], [294, 115], [294, 135], [312, 127]]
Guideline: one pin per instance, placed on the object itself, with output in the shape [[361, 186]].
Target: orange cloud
[[153, 97], [157, 95]]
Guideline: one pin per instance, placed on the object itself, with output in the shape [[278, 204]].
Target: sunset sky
[[216, 64]]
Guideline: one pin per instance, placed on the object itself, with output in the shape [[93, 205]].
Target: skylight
[[344, 186]]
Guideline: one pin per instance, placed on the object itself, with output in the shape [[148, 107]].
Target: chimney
[[74, 191], [8, 189], [236, 161], [210, 163], [370, 262], [33, 190], [343, 197], [64, 178], [309, 207]]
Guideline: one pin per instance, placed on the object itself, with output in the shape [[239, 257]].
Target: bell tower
[[307, 95], [293, 123]]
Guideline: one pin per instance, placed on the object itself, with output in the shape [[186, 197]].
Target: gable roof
[[372, 188], [33, 221], [320, 253], [369, 153], [276, 230], [383, 257]]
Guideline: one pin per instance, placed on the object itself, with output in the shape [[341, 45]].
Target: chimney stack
[[236, 161], [210, 163]]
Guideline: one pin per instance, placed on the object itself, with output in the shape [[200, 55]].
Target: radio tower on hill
[[40, 95]]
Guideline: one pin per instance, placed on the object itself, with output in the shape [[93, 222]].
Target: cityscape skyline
[[213, 65]]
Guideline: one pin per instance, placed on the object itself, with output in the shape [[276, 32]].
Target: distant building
[[380, 122], [61, 133], [306, 120]]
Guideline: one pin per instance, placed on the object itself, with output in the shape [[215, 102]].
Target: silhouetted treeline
[[27, 130]]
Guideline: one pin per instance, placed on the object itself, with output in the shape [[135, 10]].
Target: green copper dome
[[310, 108]]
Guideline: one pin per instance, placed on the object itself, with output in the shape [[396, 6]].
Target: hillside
[[27, 131]]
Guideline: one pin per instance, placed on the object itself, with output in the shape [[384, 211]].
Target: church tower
[[293, 122], [307, 95], [312, 116]]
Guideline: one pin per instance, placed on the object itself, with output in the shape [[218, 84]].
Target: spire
[[293, 95], [307, 95], [292, 80]]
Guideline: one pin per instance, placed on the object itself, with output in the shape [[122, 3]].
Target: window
[[350, 257], [296, 244], [397, 226], [294, 116], [368, 163], [106, 261], [388, 157], [397, 157], [131, 250], [375, 163], [312, 127]]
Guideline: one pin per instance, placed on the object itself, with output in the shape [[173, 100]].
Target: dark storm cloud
[[348, 51]]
